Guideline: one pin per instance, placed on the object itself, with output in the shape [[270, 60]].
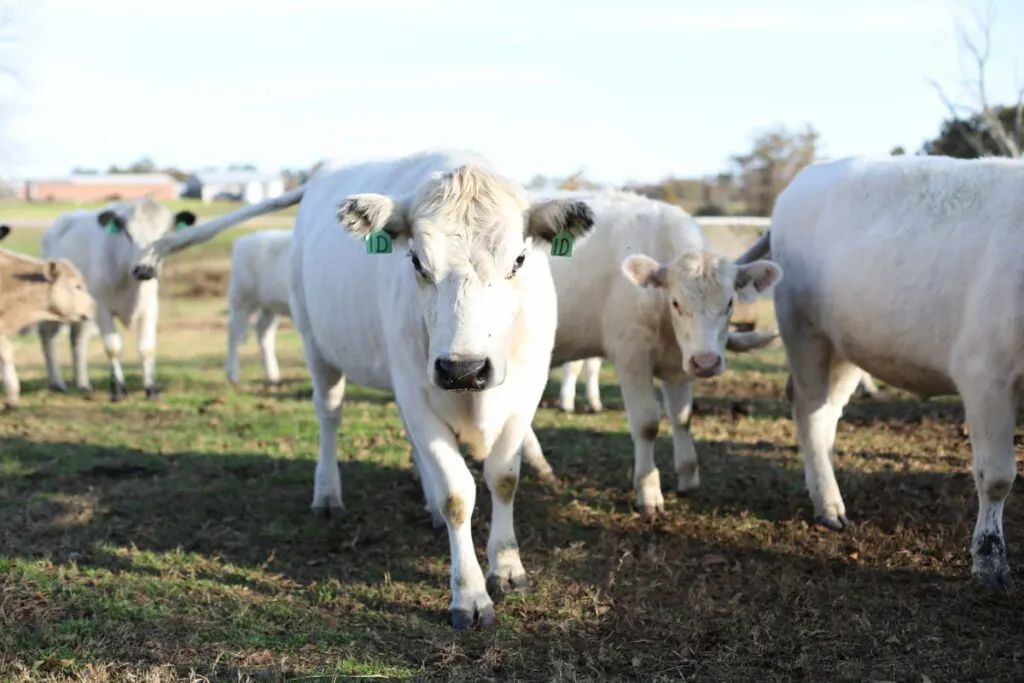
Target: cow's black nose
[[143, 272], [462, 375]]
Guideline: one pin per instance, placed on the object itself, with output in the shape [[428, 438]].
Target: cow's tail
[[759, 249], [740, 342], [146, 267]]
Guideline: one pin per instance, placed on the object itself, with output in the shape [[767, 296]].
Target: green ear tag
[[111, 228], [378, 242], [562, 244], [179, 226]]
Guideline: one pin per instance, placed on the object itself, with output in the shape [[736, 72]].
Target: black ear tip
[[4, 231], [581, 214]]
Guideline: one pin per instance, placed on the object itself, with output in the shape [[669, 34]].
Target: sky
[[628, 91]]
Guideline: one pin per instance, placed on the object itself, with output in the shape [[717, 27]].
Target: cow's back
[[892, 258], [341, 294]]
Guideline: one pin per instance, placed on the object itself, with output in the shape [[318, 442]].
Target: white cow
[[458, 321], [646, 292], [910, 268], [104, 244], [260, 264]]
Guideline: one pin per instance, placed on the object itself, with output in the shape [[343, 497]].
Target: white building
[[247, 186]]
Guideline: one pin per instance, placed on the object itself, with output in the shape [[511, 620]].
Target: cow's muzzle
[[463, 375], [143, 272]]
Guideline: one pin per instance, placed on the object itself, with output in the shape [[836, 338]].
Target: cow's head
[[475, 248], [133, 225], [67, 299], [699, 290]]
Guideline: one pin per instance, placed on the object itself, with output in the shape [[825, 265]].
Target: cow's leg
[[113, 347], [822, 386], [445, 470], [238, 329], [567, 395], [12, 387], [592, 378], [679, 407], [422, 474], [636, 380], [867, 386], [147, 343], [328, 394], [990, 406], [266, 334], [48, 331], [501, 472], [533, 454], [81, 333]]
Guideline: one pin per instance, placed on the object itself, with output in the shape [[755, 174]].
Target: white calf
[[665, 317], [260, 263], [910, 268]]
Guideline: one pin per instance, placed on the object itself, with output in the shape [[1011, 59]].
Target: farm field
[[172, 540]]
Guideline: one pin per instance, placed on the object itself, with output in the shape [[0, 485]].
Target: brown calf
[[33, 290]]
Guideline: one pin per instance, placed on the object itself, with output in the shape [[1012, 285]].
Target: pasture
[[172, 540]]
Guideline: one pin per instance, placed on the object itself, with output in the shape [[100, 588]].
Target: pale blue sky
[[629, 90]]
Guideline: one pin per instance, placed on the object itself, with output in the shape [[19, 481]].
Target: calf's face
[[67, 297], [132, 226], [700, 289], [472, 243]]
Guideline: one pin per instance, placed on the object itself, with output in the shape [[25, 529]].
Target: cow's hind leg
[[567, 394], [679, 407], [80, 336], [328, 394], [48, 331], [238, 329], [266, 335], [592, 381], [990, 404]]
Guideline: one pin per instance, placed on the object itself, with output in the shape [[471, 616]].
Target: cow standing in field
[[910, 268], [458, 321], [104, 245], [665, 317], [260, 266], [34, 290]]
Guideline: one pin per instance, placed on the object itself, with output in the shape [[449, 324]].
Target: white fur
[[260, 267], [614, 300], [106, 261], [372, 320], [910, 268]]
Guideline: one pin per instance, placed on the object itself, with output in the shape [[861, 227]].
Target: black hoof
[[58, 389], [500, 586], [463, 619], [153, 393], [84, 391], [1000, 581], [328, 511], [834, 523], [118, 391]]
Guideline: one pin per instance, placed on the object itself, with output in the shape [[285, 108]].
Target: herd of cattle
[[900, 267]]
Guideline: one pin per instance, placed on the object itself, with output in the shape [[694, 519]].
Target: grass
[[172, 541]]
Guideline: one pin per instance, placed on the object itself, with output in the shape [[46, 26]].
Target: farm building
[[247, 186], [95, 187]]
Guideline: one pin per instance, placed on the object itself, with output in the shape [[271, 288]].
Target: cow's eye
[[675, 305], [418, 266], [520, 260]]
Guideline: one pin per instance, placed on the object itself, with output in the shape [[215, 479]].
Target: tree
[[897, 151], [776, 156], [979, 128]]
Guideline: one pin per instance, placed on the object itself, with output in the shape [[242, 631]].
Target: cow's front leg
[[48, 331], [636, 380], [501, 471], [147, 342], [444, 469], [567, 392], [592, 382], [328, 395], [113, 347], [80, 336], [422, 474], [12, 387], [679, 407]]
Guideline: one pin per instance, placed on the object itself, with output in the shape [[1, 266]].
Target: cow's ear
[[110, 221], [184, 219], [5, 230], [754, 279], [547, 219], [52, 270], [643, 271], [362, 214]]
